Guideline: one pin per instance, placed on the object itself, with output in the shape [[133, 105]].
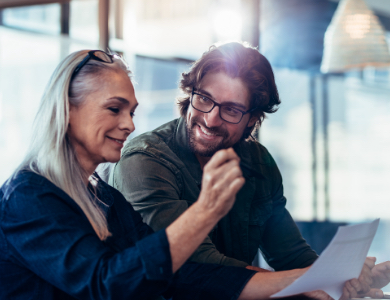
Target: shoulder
[[257, 152], [29, 192], [28, 183], [151, 142]]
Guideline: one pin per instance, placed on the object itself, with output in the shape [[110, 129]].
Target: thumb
[[375, 294]]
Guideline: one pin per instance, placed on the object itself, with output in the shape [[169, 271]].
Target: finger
[[351, 290], [375, 293], [319, 295], [365, 276], [356, 284], [346, 294], [370, 261], [225, 173], [383, 267], [221, 157], [228, 193], [237, 184]]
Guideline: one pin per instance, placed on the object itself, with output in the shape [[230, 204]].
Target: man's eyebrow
[[229, 103], [203, 92]]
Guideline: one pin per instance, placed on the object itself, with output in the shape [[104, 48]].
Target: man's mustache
[[215, 130]]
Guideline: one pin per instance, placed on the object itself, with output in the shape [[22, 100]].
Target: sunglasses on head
[[96, 55]]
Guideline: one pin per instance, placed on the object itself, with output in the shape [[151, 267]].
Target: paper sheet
[[341, 260]]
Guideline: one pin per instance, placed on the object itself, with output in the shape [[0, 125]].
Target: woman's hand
[[222, 179]]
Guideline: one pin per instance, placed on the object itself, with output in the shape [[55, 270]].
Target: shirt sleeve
[[289, 250], [216, 282], [54, 239], [154, 191]]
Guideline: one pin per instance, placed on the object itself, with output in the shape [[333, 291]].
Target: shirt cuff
[[156, 256]]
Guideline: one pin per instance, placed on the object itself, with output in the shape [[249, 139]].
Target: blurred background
[[330, 137]]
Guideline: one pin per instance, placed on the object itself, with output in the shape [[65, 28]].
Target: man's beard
[[209, 150]]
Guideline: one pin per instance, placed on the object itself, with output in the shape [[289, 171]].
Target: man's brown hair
[[238, 60]]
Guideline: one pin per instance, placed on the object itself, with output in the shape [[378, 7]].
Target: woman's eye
[[114, 109]]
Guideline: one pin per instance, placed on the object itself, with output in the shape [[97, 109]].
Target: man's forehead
[[220, 84]]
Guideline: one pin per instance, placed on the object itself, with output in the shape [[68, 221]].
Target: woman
[[65, 234]]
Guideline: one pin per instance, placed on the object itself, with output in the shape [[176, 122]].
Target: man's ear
[[252, 121]]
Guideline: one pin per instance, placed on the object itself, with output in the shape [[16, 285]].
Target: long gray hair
[[50, 153]]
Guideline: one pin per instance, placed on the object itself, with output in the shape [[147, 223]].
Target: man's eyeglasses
[[227, 113], [96, 55]]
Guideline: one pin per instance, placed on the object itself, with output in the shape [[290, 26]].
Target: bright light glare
[[227, 24], [358, 25]]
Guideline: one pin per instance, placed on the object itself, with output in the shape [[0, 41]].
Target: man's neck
[[202, 160]]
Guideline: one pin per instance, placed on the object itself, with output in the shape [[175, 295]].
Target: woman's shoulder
[[27, 182], [28, 191]]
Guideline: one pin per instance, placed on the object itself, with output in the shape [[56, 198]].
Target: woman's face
[[100, 125]]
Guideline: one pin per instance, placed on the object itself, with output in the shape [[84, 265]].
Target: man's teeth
[[206, 132], [120, 142]]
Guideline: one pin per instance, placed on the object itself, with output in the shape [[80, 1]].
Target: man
[[228, 91]]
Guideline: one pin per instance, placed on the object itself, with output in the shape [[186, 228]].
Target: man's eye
[[231, 110], [114, 109], [132, 114], [204, 99]]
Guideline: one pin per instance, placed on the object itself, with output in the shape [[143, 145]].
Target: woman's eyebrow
[[120, 99]]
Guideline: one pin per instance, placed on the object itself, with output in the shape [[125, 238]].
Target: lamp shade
[[354, 39]]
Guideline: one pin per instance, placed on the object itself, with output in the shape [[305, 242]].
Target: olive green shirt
[[161, 178]]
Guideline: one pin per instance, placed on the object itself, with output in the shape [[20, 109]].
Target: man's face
[[207, 132]]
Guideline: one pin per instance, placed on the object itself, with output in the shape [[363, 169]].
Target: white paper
[[341, 260]]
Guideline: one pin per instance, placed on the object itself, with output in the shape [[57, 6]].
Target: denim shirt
[[161, 177], [49, 250]]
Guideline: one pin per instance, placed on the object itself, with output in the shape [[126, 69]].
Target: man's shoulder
[[255, 152], [152, 141]]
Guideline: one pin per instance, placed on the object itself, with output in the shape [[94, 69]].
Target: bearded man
[[228, 91]]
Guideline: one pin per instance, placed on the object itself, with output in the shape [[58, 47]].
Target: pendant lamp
[[354, 39]]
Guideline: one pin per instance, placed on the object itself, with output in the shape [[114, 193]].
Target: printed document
[[341, 260]]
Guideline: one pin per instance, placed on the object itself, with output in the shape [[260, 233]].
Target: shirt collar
[[184, 152]]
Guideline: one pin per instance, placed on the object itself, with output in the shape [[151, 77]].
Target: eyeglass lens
[[206, 105]]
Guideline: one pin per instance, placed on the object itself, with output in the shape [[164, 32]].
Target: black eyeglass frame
[[219, 105], [91, 55]]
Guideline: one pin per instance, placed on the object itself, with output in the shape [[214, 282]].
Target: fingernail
[[377, 294]]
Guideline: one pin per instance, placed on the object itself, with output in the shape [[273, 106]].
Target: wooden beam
[[65, 16], [251, 22], [16, 3], [103, 24]]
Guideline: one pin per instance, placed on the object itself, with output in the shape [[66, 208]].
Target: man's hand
[[381, 275], [381, 278], [357, 288]]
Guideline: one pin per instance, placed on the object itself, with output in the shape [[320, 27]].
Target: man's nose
[[212, 119]]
